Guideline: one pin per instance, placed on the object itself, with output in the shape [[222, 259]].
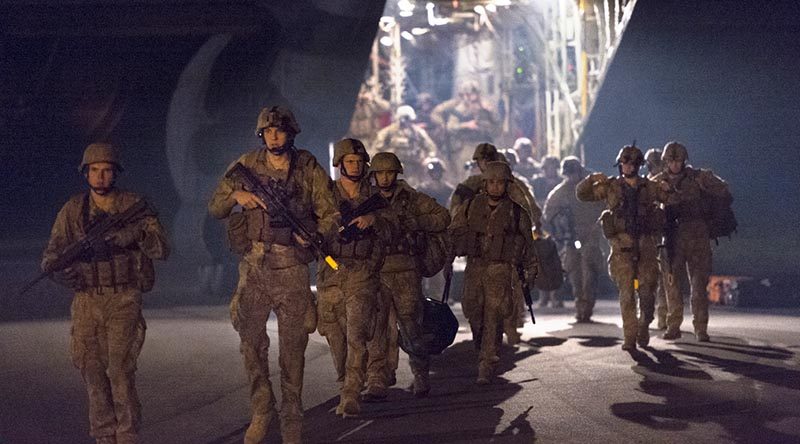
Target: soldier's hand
[[364, 222], [69, 277], [248, 200], [127, 235], [666, 186], [300, 241]]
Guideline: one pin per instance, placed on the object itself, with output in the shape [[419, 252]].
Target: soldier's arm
[[154, 244], [328, 217], [222, 201], [712, 184], [380, 141], [429, 215], [533, 207], [490, 123], [439, 114], [60, 238], [427, 143], [529, 255], [592, 188]]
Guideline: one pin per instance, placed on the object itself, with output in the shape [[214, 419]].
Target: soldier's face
[[675, 166], [275, 137], [385, 179], [495, 188], [353, 164], [101, 176], [482, 164], [628, 169]]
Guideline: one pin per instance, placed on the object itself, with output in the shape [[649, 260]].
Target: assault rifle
[[526, 290], [96, 235], [374, 203], [275, 200]]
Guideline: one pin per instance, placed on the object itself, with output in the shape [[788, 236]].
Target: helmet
[[348, 146], [653, 156], [674, 151], [511, 158], [630, 153], [385, 162], [100, 152], [551, 162], [522, 141], [277, 116], [434, 164], [497, 170], [571, 165], [485, 151], [405, 111], [468, 86]]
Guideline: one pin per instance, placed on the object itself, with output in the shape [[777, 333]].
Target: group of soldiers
[[368, 230]]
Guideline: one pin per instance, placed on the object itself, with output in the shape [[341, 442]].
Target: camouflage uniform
[[347, 299], [493, 239], [441, 190], [401, 287], [687, 243], [654, 166], [451, 115], [108, 329], [619, 197], [407, 141], [366, 120], [583, 262], [274, 276]]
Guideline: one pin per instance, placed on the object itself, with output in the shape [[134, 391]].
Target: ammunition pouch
[[238, 241]]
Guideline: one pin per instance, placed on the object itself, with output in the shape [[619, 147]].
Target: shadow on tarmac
[[733, 403], [456, 410]]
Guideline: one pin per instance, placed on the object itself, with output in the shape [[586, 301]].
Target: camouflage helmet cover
[[522, 141], [348, 146], [551, 162], [485, 151], [385, 162], [497, 170], [571, 165], [468, 86], [100, 152], [653, 156], [674, 151], [511, 157], [277, 116], [405, 111], [630, 153]]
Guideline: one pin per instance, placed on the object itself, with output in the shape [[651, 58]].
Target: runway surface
[[565, 383]]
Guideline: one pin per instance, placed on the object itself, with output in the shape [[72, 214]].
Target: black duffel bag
[[439, 325]]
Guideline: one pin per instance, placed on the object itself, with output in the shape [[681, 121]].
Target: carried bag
[[432, 258], [550, 275], [439, 326]]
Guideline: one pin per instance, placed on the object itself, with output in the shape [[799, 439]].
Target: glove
[[127, 235]]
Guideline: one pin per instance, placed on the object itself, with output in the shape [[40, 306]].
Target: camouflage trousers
[[583, 266], [286, 292], [487, 301], [108, 331], [346, 315], [400, 306], [694, 257], [621, 269]]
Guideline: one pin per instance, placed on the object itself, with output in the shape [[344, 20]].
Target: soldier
[[108, 329], [438, 188], [493, 232], [347, 303], [574, 226], [543, 184], [654, 165], [368, 116], [467, 121], [525, 151], [424, 106], [273, 272], [518, 192], [401, 283], [631, 224], [687, 236], [408, 141]]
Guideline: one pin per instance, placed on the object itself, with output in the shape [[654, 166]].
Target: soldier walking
[[401, 282], [108, 329], [631, 223], [494, 233], [273, 271], [687, 238]]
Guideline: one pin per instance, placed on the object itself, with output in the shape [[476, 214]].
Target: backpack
[[719, 215], [432, 259]]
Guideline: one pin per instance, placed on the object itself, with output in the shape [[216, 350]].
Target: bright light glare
[[386, 41], [407, 35], [419, 31]]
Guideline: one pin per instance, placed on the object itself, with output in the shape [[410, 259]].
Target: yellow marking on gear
[[329, 260], [636, 284]]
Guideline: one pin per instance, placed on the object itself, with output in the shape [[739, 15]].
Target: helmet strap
[[357, 178]]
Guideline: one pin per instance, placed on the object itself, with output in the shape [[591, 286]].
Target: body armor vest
[[491, 235]]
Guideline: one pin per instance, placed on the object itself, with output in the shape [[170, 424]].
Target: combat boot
[[374, 393], [106, 440], [257, 431], [348, 405], [421, 386], [671, 334], [701, 336], [484, 374], [643, 337], [292, 431], [629, 344]]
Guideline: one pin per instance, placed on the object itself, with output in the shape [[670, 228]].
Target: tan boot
[[421, 386], [257, 431], [348, 405], [643, 337], [292, 432], [484, 374]]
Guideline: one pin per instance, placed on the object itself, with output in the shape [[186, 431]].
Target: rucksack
[[432, 259], [719, 215]]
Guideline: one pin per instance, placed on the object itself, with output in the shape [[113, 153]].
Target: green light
[[520, 70]]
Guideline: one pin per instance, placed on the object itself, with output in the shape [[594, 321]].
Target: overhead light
[[491, 7], [405, 13], [386, 41], [419, 31], [432, 19], [387, 20], [407, 35], [479, 9], [405, 5], [502, 2]]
